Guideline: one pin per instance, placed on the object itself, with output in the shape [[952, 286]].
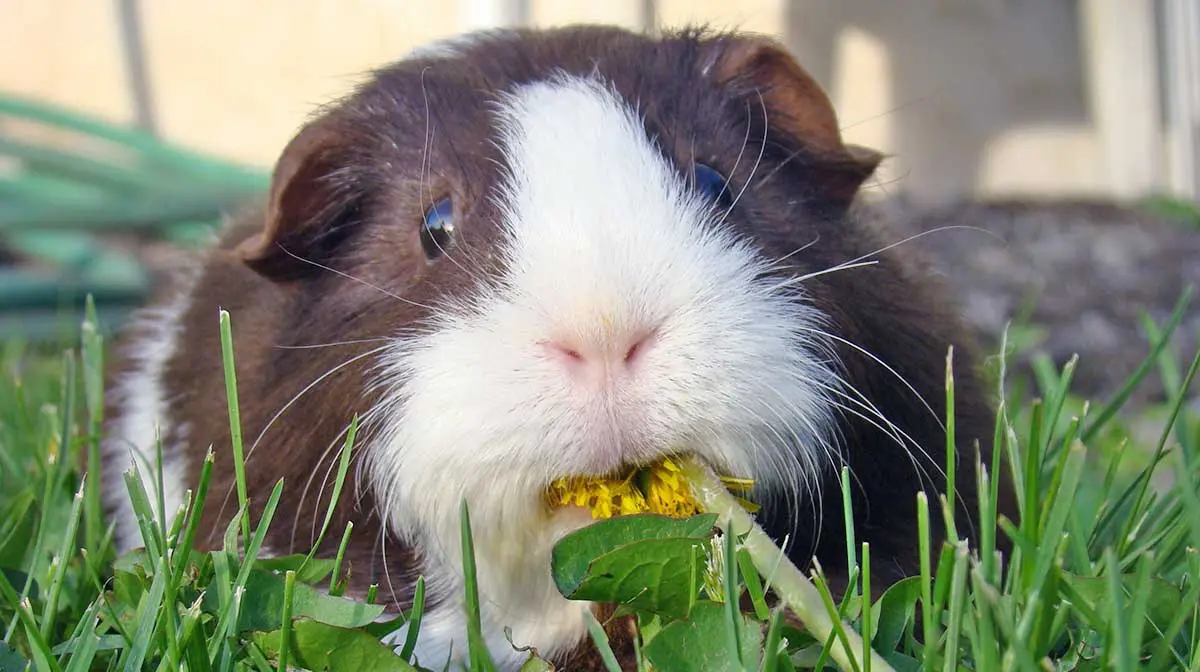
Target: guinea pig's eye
[[711, 183], [438, 229]]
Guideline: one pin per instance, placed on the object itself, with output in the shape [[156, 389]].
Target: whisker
[[358, 280], [917, 100], [387, 569], [334, 344], [790, 282], [882, 185], [337, 441], [811, 475], [778, 263], [922, 234], [427, 169], [785, 470], [902, 438], [309, 387], [736, 162], [361, 439], [250, 453], [757, 162], [880, 362]]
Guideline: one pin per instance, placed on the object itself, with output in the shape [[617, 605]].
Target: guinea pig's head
[[586, 248]]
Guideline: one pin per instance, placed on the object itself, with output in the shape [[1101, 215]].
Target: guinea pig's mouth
[[659, 487]]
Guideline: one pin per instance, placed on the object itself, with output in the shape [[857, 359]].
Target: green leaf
[[136, 561], [901, 662], [19, 519], [700, 643], [11, 661], [574, 553], [896, 608], [1165, 600], [314, 571], [18, 578], [128, 587], [796, 638], [662, 576], [319, 646], [535, 664], [263, 602]]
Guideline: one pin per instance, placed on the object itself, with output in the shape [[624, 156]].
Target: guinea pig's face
[[584, 249]]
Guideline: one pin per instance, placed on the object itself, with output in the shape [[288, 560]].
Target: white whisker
[[816, 274], [889, 369], [758, 161], [334, 344], [286, 406], [360, 281]]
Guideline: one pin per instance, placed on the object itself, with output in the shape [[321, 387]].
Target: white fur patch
[[142, 417], [604, 241]]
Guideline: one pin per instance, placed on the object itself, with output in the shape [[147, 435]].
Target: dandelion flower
[[659, 488]]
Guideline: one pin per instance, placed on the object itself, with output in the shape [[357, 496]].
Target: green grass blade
[[1120, 656], [733, 615], [235, 419], [195, 509], [336, 586], [43, 656], [600, 639], [868, 635], [753, 584], [480, 657], [87, 642], [839, 630], [1131, 384], [957, 608], [414, 620], [285, 633], [92, 357], [927, 607], [1172, 379], [771, 648], [148, 617], [343, 467], [1139, 487], [62, 561], [951, 451]]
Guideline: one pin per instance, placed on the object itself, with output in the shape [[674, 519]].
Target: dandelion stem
[[791, 585]]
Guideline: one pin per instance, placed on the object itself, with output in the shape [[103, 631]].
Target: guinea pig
[[521, 255]]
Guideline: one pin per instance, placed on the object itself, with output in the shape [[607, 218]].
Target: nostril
[[564, 352], [632, 352], [582, 356], [639, 346]]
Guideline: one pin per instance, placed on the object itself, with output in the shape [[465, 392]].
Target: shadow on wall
[[967, 96]]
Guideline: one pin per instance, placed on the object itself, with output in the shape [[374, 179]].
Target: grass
[[1105, 573]]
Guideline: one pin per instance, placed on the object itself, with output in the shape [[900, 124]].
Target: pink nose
[[596, 361]]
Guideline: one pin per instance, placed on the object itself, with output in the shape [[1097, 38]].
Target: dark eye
[[438, 229], [711, 183]]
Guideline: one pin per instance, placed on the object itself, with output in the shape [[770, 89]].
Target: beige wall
[[968, 95]]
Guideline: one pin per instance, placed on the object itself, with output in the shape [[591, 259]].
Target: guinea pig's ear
[[798, 106], [307, 206]]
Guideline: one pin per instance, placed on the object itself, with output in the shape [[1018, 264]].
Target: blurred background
[[1068, 129]]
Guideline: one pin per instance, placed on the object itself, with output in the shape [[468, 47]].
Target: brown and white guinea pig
[[522, 255]]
